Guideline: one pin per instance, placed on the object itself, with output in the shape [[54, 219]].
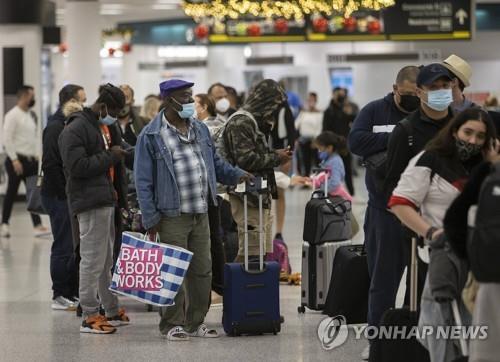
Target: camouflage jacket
[[248, 149]]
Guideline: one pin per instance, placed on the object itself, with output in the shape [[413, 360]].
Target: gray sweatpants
[[97, 233]]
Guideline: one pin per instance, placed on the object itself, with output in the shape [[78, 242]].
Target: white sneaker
[[365, 355], [61, 303], [5, 231]]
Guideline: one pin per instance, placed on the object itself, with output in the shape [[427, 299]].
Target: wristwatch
[[430, 232]]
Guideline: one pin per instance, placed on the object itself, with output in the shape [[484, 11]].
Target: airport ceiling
[[141, 10], [131, 10]]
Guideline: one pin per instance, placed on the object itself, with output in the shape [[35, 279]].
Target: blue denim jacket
[[155, 181]]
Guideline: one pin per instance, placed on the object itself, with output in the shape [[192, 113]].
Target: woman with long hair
[[430, 183]]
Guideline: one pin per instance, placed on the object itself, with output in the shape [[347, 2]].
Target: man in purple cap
[[176, 170]]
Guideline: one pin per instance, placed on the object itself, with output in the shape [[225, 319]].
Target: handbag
[[149, 272], [33, 192]]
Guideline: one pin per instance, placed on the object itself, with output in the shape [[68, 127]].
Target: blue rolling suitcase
[[251, 291]]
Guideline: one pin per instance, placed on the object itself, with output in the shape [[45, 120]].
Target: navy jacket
[[365, 140]]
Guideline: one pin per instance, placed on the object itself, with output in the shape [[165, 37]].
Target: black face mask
[[31, 103], [340, 99], [267, 127], [124, 112], [409, 103]]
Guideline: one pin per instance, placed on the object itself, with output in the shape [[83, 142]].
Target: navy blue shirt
[[370, 134]]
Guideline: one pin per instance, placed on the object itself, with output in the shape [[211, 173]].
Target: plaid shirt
[[189, 167]]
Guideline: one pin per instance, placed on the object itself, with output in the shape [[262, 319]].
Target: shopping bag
[[149, 272]]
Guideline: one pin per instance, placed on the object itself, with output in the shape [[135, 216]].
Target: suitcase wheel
[[301, 309]]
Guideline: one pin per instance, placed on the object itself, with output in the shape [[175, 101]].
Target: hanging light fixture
[[292, 9]]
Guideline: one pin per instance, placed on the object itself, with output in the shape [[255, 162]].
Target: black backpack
[[483, 244], [377, 163]]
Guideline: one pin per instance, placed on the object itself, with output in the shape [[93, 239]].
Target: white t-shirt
[[19, 133], [309, 124]]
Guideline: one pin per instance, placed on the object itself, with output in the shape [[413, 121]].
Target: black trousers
[[216, 248], [63, 268], [308, 156], [348, 172], [13, 186]]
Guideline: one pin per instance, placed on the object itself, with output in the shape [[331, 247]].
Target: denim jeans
[[63, 268]]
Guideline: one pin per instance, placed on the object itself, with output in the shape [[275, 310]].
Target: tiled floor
[[31, 331]]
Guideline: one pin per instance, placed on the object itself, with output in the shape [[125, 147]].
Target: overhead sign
[[407, 20], [427, 20]]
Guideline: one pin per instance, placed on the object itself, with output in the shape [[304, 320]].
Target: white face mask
[[222, 105]]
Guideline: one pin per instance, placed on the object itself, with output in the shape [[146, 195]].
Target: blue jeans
[[63, 268], [386, 261]]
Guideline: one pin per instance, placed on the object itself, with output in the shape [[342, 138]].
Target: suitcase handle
[[253, 271], [318, 170], [414, 275], [458, 322], [261, 231]]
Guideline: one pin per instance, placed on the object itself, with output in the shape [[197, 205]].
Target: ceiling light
[[111, 12], [165, 6], [112, 6]]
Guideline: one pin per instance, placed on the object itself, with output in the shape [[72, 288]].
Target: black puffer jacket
[[54, 181], [87, 163]]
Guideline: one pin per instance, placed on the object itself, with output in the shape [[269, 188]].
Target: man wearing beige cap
[[462, 72]]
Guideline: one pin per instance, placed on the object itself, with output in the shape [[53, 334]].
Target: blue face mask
[[187, 109], [323, 155], [108, 120], [439, 100]]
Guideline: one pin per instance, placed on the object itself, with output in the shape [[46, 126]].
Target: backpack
[[219, 137], [377, 163], [483, 239]]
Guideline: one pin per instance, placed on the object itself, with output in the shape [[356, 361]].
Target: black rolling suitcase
[[397, 350], [349, 285]]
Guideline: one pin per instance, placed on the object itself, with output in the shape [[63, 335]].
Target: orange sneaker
[[121, 319], [96, 324]]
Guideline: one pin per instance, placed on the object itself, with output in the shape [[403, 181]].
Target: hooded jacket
[[246, 144], [87, 162]]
